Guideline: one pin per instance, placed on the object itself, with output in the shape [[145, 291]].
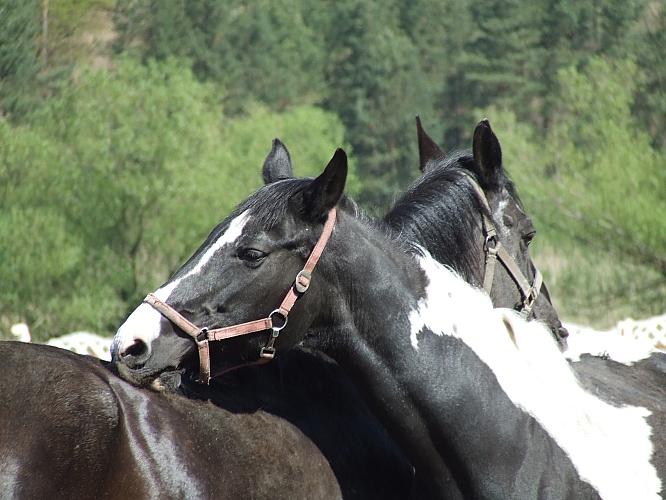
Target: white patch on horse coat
[[457, 289], [144, 322], [498, 216], [610, 447]]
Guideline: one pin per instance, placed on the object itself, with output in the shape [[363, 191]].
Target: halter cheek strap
[[495, 251], [202, 336]]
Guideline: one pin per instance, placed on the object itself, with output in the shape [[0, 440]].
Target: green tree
[[649, 43], [69, 29], [376, 86], [503, 55], [260, 50], [604, 157], [19, 64], [354, 58], [119, 178], [440, 30], [572, 31]]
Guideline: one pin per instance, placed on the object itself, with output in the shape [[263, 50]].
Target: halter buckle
[[302, 282], [267, 352], [528, 303], [491, 244]]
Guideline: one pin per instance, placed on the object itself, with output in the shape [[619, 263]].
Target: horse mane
[[440, 212]]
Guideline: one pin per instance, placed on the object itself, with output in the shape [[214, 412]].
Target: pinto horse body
[[463, 387]]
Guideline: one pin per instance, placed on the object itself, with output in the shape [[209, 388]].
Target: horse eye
[[529, 237], [251, 255]]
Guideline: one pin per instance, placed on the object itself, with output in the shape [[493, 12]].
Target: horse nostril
[[136, 354], [563, 332]]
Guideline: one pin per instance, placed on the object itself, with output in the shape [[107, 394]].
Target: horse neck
[[380, 308], [452, 379], [472, 389]]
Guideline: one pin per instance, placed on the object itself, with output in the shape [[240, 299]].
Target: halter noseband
[[495, 251], [202, 336]]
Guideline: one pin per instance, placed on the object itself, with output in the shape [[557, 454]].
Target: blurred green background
[[129, 128]]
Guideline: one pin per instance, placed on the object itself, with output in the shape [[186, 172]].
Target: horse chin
[[168, 381], [162, 380]]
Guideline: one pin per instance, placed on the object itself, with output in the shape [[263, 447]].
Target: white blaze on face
[[499, 217], [144, 322], [610, 447]]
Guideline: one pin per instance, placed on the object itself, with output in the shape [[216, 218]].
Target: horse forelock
[[610, 447]]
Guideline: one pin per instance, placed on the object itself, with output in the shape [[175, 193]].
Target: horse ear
[[429, 151], [324, 192], [277, 164], [487, 152]]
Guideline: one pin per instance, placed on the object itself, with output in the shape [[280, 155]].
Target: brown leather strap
[[204, 361], [256, 362], [528, 302], [172, 315], [304, 277], [514, 271], [491, 245], [228, 332], [198, 334], [202, 335], [495, 251]]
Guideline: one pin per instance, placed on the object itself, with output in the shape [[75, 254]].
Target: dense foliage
[[129, 127], [114, 182]]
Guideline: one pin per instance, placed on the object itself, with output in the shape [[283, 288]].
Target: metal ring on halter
[[495, 243], [284, 319], [268, 351], [202, 335]]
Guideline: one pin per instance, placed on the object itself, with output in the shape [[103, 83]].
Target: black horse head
[[444, 210], [240, 273]]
